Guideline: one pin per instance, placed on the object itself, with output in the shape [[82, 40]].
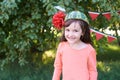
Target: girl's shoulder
[[90, 47], [62, 44]]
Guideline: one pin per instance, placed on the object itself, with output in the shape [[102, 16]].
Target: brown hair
[[86, 38]]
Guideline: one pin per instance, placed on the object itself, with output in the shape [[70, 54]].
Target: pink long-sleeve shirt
[[75, 64]]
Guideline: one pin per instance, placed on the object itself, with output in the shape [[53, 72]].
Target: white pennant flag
[[60, 8]]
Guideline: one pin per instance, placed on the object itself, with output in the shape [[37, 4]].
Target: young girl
[[75, 58]]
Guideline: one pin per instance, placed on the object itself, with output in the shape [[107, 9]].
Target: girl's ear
[[82, 34]]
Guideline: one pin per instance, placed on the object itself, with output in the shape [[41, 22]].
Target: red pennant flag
[[118, 12], [110, 38], [93, 15], [107, 15], [99, 35]]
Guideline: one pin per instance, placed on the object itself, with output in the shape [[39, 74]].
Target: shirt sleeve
[[92, 66], [57, 64]]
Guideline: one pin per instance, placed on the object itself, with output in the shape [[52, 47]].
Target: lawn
[[108, 65]]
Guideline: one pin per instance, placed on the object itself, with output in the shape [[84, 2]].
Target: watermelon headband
[[60, 17]]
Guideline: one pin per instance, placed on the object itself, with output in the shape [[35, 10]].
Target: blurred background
[[28, 40]]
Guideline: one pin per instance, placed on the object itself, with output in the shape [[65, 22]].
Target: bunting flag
[[100, 35], [93, 15], [110, 38], [60, 8], [107, 15]]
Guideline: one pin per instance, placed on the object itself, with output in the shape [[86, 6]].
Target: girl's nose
[[70, 33]]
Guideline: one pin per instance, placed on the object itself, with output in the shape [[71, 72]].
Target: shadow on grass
[[112, 53], [108, 70], [109, 63]]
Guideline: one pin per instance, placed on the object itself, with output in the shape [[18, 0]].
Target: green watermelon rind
[[76, 15]]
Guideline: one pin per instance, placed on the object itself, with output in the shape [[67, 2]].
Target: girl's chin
[[71, 42]]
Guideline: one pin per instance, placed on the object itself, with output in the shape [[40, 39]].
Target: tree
[[26, 29]]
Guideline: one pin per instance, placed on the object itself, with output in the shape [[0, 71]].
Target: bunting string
[[107, 15], [100, 35]]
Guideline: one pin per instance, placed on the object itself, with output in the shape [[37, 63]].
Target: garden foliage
[[26, 31]]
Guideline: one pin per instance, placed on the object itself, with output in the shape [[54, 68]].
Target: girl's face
[[73, 33]]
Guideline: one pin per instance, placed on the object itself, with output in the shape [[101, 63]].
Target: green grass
[[28, 72], [109, 63], [112, 53], [109, 70], [108, 66]]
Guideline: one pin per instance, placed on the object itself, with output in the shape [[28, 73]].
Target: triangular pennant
[[93, 15], [110, 38], [60, 8], [99, 35], [107, 15]]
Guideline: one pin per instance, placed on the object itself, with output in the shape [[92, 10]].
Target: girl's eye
[[67, 30], [75, 30]]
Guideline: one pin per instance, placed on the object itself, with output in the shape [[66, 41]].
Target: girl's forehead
[[75, 25]]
